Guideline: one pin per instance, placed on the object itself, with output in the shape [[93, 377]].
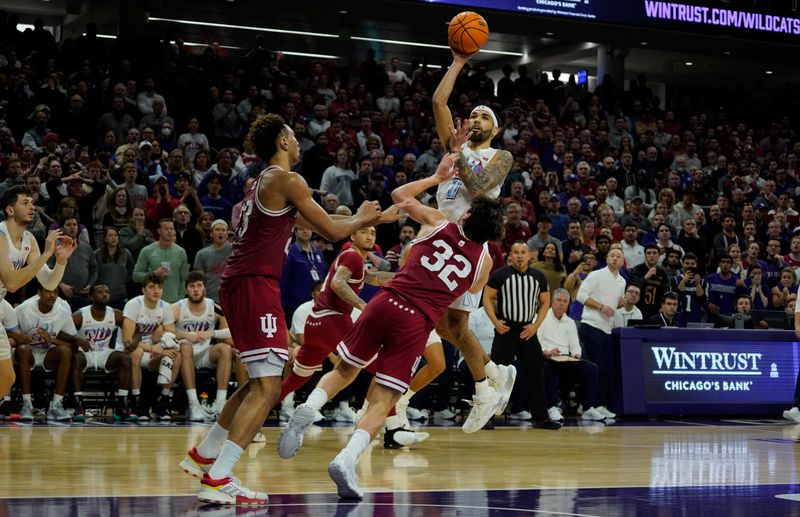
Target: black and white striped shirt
[[518, 293]]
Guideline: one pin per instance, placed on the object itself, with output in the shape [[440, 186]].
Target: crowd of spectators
[[141, 154]]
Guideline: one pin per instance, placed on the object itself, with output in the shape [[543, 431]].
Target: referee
[[516, 300]]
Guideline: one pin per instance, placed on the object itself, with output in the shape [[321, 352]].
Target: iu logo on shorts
[[269, 325]]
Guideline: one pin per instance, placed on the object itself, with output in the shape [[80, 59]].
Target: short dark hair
[[485, 222], [165, 220], [651, 246], [152, 278], [194, 276], [11, 196], [264, 133], [670, 295], [690, 256], [742, 295]]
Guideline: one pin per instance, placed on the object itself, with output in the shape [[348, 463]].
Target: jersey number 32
[[447, 264]]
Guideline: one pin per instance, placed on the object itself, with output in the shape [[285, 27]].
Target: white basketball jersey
[[452, 196], [189, 322], [18, 257], [98, 333], [148, 320]]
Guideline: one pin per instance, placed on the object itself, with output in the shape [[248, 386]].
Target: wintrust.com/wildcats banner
[[714, 18]]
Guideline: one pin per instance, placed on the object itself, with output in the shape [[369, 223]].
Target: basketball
[[467, 33]]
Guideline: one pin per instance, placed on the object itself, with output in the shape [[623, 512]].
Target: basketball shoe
[[402, 437], [504, 384], [196, 465], [57, 412], [291, 438], [342, 471], [229, 491], [482, 410]]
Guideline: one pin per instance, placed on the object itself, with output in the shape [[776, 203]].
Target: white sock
[[209, 447], [136, 392], [358, 443], [392, 422], [122, 393], [492, 371], [482, 389], [26, 397], [78, 394], [222, 396], [165, 392], [228, 457], [6, 398], [317, 399], [344, 405], [192, 396], [57, 398], [406, 397]]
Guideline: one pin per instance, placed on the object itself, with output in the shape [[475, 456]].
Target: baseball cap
[[50, 137], [160, 179], [572, 177], [145, 143]]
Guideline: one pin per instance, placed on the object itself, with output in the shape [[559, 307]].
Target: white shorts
[[200, 357], [5, 347], [38, 356], [271, 366], [97, 359], [146, 358], [467, 302], [433, 338]]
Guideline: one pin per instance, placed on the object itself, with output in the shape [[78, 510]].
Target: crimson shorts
[[252, 306], [321, 335], [392, 333]]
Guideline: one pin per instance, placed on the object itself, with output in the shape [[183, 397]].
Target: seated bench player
[[97, 324], [45, 322], [146, 326], [196, 324]]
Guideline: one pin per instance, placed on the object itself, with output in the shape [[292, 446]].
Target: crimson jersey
[[262, 238], [441, 267], [328, 299]]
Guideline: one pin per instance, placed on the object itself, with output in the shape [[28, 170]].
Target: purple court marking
[[709, 501]]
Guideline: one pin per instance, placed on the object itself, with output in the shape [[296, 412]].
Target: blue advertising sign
[[719, 372]]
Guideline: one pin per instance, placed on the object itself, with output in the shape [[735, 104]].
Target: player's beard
[[196, 299], [481, 136]]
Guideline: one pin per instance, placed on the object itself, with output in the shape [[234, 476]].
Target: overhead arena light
[[284, 52], [431, 45], [244, 27]]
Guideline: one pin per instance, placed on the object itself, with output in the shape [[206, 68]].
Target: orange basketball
[[467, 33]]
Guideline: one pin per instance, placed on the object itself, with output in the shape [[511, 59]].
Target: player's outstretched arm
[[492, 175], [13, 279], [314, 217], [407, 194], [441, 111]]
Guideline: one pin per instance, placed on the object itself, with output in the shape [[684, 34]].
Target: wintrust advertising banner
[[720, 372]]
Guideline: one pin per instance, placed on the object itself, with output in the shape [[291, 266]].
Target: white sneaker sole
[[192, 468], [208, 495], [291, 438], [344, 488]]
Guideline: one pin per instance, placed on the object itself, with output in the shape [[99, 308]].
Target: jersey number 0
[[458, 265]]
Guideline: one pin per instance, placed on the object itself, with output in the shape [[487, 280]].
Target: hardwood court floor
[[105, 460]]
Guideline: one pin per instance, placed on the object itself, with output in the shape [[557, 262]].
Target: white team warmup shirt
[[17, 256], [98, 333], [30, 318]]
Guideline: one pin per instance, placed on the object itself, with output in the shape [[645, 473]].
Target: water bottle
[[204, 399]]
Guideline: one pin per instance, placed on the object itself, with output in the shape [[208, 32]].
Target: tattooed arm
[[493, 175], [343, 290], [378, 278]]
